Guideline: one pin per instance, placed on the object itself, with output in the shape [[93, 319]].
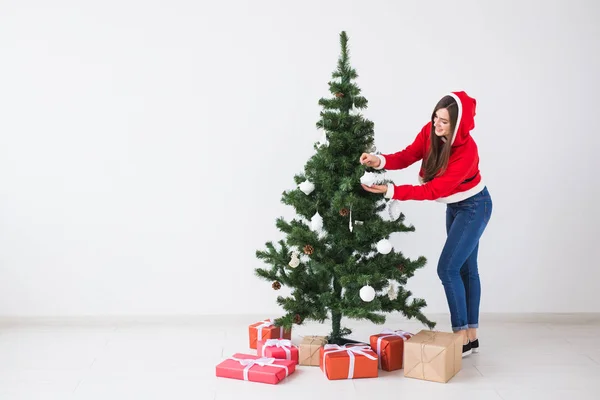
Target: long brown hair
[[438, 155]]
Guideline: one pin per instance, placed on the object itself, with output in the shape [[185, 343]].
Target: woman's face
[[441, 122]]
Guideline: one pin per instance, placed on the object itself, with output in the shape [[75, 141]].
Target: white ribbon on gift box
[[284, 344], [250, 362], [357, 349], [388, 332], [266, 324]]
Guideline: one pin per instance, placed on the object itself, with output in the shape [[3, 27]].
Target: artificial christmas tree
[[347, 266]]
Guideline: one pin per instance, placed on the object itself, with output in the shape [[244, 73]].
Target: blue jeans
[[457, 267]]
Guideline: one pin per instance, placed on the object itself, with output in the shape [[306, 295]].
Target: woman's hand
[[370, 160], [375, 188]]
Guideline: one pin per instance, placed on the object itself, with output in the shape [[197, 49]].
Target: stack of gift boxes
[[428, 355]]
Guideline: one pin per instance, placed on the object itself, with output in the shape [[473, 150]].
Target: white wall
[[133, 133]]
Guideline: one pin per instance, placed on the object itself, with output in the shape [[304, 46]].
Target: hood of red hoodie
[[466, 117]]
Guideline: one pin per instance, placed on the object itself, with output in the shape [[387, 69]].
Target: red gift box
[[266, 330], [281, 349], [247, 367], [350, 361], [389, 346]]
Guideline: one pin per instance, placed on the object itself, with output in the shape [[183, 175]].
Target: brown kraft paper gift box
[[309, 350], [433, 356]]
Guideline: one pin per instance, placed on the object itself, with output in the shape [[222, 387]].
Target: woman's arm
[[458, 170]]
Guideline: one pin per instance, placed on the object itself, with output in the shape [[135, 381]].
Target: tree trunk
[[336, 316]]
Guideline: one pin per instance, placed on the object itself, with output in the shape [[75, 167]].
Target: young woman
[[449, 174]]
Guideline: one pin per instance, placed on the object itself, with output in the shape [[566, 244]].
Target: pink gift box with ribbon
[[251, 368], [281, 349]]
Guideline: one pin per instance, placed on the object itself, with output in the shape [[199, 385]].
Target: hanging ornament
[[316, 222], [323, 141], [308, 249], [394, 209], [369, 178], [276, 285], [295, 261], [344, 212], [307, 187], [392, 292], [384, 246], [350, 226], [367, 293]]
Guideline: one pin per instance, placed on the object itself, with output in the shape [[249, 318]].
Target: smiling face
[[441, 122]]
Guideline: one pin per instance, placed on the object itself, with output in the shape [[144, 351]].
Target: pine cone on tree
[[308, 249], [297, 319], [276, 285], [339, 94], [344, 212], [400, 267]]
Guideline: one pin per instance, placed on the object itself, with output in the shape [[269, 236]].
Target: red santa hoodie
[[462, 178]]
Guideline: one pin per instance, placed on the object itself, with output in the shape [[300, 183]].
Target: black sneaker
[[475, 346], [467, 349]]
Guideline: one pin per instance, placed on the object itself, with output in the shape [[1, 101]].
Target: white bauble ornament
[[295, 261], [307, 187], [316, 222], [369, 178], [367, 293], [384, 246], [394, 209]]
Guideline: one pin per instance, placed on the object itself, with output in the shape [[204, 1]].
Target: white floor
[[175, 359]]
